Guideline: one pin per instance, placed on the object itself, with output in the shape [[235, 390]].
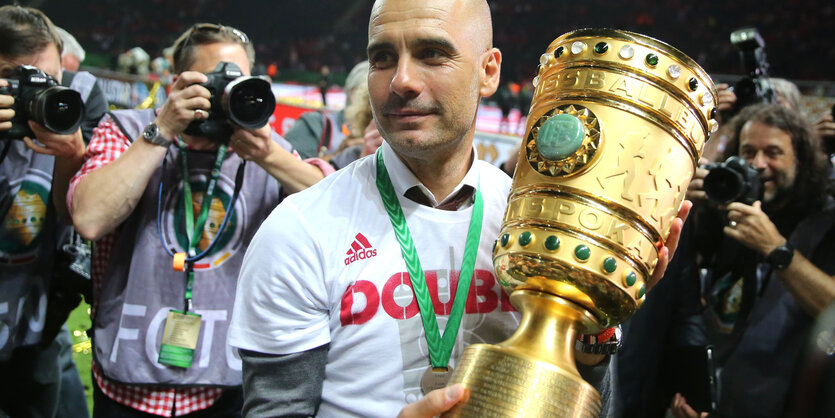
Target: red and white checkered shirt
[[109, 143]]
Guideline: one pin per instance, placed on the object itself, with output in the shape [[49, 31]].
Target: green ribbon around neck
[[440, 348]]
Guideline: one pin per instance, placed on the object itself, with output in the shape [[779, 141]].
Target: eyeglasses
[[211, 27]]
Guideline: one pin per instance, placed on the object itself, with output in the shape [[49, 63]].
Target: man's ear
[[490, 72]]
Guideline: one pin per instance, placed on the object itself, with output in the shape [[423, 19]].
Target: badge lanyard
[[194, 230], [440, 348], [182, 328]]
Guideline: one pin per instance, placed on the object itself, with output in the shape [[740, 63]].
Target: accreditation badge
[[179, 339]]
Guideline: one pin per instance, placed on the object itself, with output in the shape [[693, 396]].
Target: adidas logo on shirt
[[360, 250]]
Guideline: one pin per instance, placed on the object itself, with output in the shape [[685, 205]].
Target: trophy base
[[533, 373]]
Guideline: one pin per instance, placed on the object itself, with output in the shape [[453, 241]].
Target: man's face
[[426, 73], [48, 60], [771, 152], [71, 62], [206, 58]]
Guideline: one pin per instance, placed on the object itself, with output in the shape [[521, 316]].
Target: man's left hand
[[61, 146], [254, 145], [752, 227], [666, 253]]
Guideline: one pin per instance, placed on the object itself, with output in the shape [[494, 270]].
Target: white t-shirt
[[325, 267]]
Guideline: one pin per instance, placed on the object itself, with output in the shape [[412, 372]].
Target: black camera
[[236, 99], [40, 98], [733, 180], [754, 86]]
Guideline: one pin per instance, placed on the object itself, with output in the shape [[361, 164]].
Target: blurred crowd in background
[[307, 35]]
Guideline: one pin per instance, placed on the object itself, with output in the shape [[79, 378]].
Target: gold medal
[[435, 378]]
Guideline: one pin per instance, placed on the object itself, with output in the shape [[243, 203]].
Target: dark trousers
[[42, 382], [228, 405]]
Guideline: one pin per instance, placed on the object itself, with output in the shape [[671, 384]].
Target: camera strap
[[323, 147], [5, 151], [185, 260], [195, 229], [182, 328]]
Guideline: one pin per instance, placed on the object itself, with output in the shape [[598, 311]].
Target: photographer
[[171, 214], [36, 163], [769, 263]]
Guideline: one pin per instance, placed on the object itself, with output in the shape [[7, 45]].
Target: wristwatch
[[781, 257], [152, 135]]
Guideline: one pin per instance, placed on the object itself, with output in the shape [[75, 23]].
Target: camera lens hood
[[724, 185], [248, 102], [58, 109]]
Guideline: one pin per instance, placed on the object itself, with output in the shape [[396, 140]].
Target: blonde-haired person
[[364, 138]]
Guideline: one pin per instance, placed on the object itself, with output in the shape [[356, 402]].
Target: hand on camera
[[6, 113], [187, 101], [62, 146], [253, 145], [752, 227], [725, 97], [681, 409], [696, 189], [825, 127]]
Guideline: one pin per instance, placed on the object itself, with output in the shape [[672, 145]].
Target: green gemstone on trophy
[[552, 243], [693, 84], [582, 252], [601, 47], [631, 278], [505, 239], [495, 244], [525, 238], [558, 52], [642, 291], [652, 59], [560, 137], [610, 265]]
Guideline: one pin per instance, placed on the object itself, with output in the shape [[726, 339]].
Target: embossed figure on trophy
[[632, 148], [668, 192]]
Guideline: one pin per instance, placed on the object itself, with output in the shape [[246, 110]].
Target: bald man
[[347, 287]]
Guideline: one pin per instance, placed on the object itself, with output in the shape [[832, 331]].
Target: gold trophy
[[616, 128]]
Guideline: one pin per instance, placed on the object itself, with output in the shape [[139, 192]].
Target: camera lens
[[249, 102], [58, 109], [723, 185]]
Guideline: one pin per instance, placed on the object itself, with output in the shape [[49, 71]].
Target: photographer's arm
[[67, 149], [813, 289], [258, 146], [69, 156], [105, 196]]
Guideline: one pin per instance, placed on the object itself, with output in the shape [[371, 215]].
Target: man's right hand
[[825, 127], [696, 189], [186, 96], [725, 97], [436, 402], [6, 114], [681, 409]]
